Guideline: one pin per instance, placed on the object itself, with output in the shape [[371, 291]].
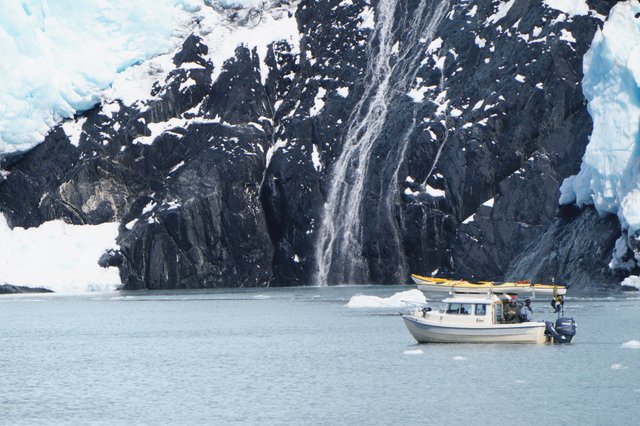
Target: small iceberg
[[631, 344], [413, 352], [459, 358], [396, 301], [618, 367]]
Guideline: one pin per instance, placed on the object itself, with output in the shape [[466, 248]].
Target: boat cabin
[[480, 308]]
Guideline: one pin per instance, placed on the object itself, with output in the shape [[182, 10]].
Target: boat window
[[498, 307], [481, 309], [459, 308]]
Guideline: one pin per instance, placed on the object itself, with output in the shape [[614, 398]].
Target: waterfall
[[339, 246]]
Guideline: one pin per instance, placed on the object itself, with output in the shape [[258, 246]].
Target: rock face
[[228, 175], [14, 289]]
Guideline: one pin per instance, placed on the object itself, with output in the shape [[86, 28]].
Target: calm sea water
[[299, 356]]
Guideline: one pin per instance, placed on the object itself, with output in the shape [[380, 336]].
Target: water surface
[[299, 356]]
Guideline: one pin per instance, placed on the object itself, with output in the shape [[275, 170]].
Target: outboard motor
[[562, 332]]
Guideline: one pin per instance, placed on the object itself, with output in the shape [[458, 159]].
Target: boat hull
[[429, 332]]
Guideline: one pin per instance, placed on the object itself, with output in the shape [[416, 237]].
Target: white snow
[[631, 344], [570, 7], [342, 91], [609, 176], [434, 192], [501, 12], [367, 17], [434, 45], [315, 158], [395, 301], [566, 35], [480, 42], [417, 94], [470, 219], [318, 102], [58, 256], [73, 130], [177, 166]]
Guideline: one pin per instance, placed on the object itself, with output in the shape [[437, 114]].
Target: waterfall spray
[[339, 248]]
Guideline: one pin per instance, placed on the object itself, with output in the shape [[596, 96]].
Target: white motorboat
[[483, 318]]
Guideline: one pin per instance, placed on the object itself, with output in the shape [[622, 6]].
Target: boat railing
[[415, 308]]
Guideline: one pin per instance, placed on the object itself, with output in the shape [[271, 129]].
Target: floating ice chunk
[[395, 301], [480, 42], [459, 358], [413, 352], [261, 297], [489, 203], [631, 344], [520, 78], [618, 367], [570, 7], [631, 281]]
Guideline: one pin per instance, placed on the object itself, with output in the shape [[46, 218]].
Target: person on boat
[[526, 313], [557, 303]]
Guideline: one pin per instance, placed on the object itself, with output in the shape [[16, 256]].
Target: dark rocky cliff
[[481, 117]]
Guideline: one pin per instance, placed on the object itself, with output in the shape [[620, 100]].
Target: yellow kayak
[[462, 286]]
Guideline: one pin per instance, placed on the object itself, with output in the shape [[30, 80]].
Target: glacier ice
[[397, 300], [58, 256], [609, 176], [57, 56]]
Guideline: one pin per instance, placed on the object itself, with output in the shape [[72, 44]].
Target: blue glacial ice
[[57, 56], [609, 176]]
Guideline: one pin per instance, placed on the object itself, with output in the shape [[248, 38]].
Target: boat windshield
[[459, 308]]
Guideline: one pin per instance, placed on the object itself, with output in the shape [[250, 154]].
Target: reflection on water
[[300, 356]]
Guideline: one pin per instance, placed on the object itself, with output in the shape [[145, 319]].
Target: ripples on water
[[300, 356]]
